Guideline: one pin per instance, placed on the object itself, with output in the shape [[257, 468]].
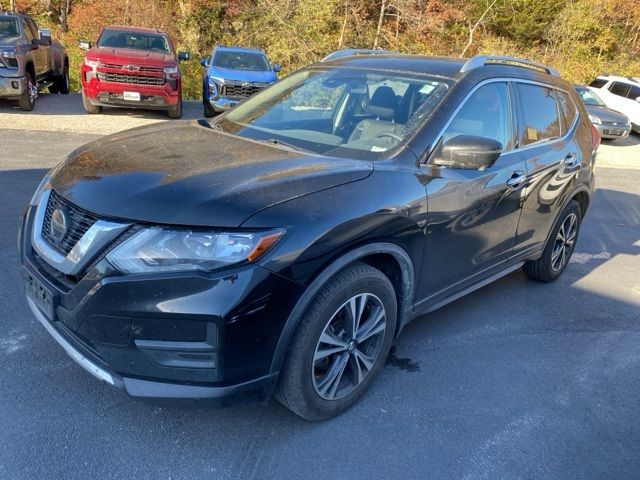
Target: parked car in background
[[232, 74], [134, 68], [30, 61], [621, 94], [285, 245], [610, 124]]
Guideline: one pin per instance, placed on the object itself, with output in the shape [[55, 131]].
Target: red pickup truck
[[133, 68]]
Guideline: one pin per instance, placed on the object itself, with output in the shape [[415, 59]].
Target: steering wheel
[[390, 135]]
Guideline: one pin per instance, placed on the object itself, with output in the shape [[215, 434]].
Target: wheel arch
[[389, 258]]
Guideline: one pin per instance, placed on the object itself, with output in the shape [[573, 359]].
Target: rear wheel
[[27, 100], [340, 345], [560, 246], [61, 82], [89, 108], [176, 113]]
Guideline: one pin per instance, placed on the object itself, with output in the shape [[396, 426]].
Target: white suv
[[621, 94]]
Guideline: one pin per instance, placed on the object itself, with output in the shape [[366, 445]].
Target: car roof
[[225, 48], [125, 28], [450, 67]]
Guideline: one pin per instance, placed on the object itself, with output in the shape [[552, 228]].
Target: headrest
[[383, 103]]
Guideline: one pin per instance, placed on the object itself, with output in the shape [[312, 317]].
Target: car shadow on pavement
[[515, 366]]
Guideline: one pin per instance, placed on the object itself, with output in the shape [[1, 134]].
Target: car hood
[[607, 114], [264, 76], [129, 56], [183, 173]]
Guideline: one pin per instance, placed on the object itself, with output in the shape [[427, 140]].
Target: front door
[[473, 215]]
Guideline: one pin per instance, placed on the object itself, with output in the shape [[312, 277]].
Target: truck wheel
[[176, 113], [27, 100], [208, 110], [88, 107], [61, 82]]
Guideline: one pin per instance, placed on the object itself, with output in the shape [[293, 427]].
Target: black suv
[[283, 247]]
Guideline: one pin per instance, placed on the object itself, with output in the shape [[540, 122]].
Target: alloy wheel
[[565, 240], [349, 346]]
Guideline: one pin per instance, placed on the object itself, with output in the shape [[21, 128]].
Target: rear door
[[547, 121], [473, 214]]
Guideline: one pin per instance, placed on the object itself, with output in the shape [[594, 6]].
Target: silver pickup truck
[[30, 61]]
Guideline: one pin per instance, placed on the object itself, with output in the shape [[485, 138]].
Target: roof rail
[[482, 60]]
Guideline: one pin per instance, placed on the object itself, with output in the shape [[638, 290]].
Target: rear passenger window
[[485, 114], [568, 109], [634, 93], [598, 83], [539, 113], [620, 89]]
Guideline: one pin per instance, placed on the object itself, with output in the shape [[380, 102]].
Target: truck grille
[[241, 90], [79, 221], [130, 78], [134, 68]]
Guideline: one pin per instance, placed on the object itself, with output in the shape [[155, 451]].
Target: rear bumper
[[12, 87]]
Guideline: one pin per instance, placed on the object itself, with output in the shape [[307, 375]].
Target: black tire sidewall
[[572, 207], [376, 285]]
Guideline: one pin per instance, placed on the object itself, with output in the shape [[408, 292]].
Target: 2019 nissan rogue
[[283, 247]]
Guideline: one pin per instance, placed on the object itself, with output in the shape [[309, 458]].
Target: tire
[[88, 107], [560, 246], [61, 82], [209, 112], [326, 387], [176, 113], [27, 100]]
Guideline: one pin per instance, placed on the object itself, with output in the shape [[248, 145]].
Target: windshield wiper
[[211, 125], [287, 145]]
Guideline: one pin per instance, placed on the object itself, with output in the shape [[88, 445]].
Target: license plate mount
[[40, 295]]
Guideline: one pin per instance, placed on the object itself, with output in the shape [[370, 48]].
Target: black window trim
[[425, 159], [616, 82]]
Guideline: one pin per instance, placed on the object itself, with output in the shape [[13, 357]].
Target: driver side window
[[486, 114]]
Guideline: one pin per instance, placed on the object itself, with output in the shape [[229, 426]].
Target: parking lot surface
[[518, 380]]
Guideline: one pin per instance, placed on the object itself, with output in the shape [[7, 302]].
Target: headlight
[[213, 87], [35, 200], [92, 63], [170, 70], [594, 119], [8, 54], [169, 250]]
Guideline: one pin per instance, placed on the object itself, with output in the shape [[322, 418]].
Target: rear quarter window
[[598, 83], [539, 115], [634, 93], [568, 109]]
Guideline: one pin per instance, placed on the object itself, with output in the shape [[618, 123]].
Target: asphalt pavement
[[517, 380]]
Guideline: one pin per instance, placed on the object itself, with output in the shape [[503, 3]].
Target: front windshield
[[241, 61], [134, 40], [590, 98], [9, 27], [342, 112]]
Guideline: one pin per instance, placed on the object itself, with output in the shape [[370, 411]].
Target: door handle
[[517, 179], [571, 160]]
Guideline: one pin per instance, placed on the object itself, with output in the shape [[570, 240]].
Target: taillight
[[595, 137]]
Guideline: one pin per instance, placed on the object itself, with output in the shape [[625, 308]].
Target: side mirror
[[468, 152], [45, 37], [84, 45], [184, 56], [277, 68], [204, 62]]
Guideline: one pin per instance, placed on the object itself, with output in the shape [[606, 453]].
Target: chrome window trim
[[100, 234], [508, 80]]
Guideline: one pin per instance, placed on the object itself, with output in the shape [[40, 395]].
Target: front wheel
[[340, 345], [176, 113], [88, 107], [562, 241], [208, 110], [27, 100]]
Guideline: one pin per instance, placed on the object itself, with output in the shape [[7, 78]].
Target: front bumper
[[613, 132], [12, 87], [110, 94], [169, 339], [222, 104]]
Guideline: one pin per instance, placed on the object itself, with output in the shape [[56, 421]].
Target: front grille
[[79, 221], [136, 68], [130, 78], [241, 90]]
